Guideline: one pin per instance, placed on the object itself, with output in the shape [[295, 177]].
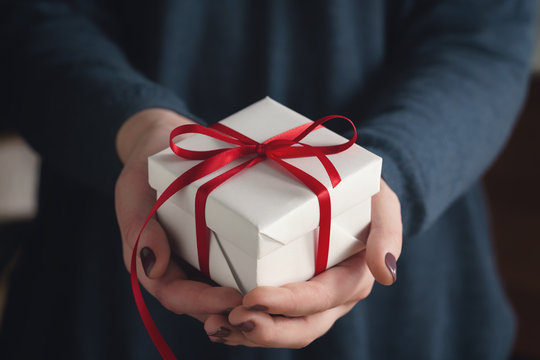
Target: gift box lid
[[265, 201]]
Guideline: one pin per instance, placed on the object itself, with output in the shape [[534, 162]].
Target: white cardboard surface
[[292, 262]]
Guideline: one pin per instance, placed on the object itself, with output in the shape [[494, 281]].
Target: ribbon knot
[[260, 149], [283, 146]]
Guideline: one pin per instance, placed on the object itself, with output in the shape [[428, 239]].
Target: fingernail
[[390, 261], [218, 340], [221, 332], [258, 308], [247, 326], [227, 311], [148, 259]]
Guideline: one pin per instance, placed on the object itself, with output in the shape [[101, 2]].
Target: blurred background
[[513, 192], [512, 188]]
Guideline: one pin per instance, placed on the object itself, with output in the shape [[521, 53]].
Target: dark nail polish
[[247, 326], [227, 311], [221, 332], [258, 308], [390, 261], [148, 259], [218, 340]]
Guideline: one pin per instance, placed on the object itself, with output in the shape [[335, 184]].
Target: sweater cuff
[[398, 173]]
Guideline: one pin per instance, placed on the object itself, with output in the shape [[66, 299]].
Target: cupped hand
[[142, 135], [294, 315]]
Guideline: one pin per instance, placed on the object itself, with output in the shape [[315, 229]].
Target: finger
[[284, 332], [385, 237], [134, 199], [350, 280], [201, 317], [183, 296]]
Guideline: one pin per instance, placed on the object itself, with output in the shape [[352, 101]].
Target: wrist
[[141, 124]]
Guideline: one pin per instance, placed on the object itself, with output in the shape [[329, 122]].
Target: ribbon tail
[[193, 174], [158, 340]]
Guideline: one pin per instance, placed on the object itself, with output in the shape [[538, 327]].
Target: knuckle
[[393, 233], [158, 294], [165, 301], [208, 327], [127, 261], [118, 183], [170, 306], [203, 301], [393, 196], [264, 337], [302, 344], [292, 300], [325, 297], [314, 329], [128, 171], [364, 292], [130, 233]]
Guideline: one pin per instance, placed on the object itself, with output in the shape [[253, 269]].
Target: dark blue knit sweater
[[434, 87]]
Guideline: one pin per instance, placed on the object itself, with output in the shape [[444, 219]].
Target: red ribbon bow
[[283, 146]]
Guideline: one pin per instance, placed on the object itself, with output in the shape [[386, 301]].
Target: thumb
[[143, 134], [385, 237], [134, 199]]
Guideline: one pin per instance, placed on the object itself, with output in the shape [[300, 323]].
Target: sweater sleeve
[[72, 88], [446, 102]]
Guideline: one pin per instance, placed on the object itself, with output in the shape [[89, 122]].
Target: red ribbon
[[283, 146]]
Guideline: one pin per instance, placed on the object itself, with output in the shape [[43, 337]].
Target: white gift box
[[263, 222]]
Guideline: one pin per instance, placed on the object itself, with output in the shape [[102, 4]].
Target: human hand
[[294, 315], [142, 135]]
